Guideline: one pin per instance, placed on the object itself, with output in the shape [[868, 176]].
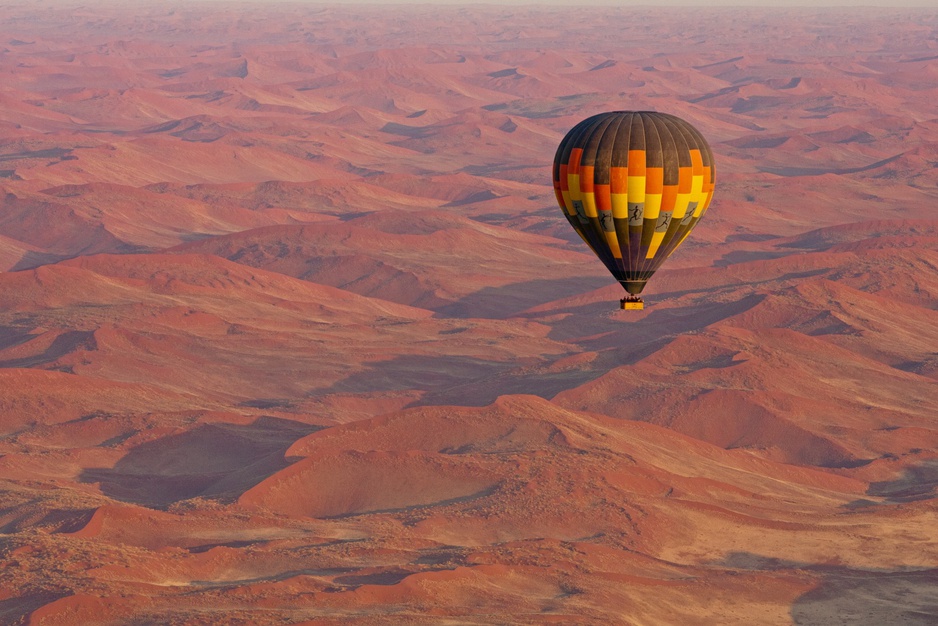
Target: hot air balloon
[[633, 184]]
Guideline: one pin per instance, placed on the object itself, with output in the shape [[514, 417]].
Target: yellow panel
[[652, 206], [633, 306], [655, 242], [680, 205], [620, 206], [703, 205], [697, 193], [589, 204], [636, 189], [573, 182], [697, 185]]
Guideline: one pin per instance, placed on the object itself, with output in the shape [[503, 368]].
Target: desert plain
[[292, 330]]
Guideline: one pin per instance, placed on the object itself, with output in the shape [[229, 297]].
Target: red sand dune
[[292, 331], [385, 255]]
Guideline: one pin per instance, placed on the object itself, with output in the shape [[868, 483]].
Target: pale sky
[[930, 4], [583, 3]]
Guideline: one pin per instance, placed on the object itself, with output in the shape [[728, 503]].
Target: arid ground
[[292, 330]]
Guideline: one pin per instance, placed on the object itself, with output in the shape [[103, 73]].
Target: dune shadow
[[65, 343], [216, 460], [745, 256], [863, 598], [17, 609], [486, 390], [847, 596], [33, 259], [757, 562], [918, 482], [600, 326], [391, 576], [426, 373], [469, 381], [750, 237], [509, 300], [12, 336], [459, 381], [794, 171]]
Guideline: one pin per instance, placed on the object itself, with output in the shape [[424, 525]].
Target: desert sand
[[292, 330]]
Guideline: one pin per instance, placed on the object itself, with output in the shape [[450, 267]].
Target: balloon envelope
[[633, 184]]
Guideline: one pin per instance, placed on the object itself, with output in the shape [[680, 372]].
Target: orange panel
[[654, 181], [636, 162], [685, 179], [668, 198], [603, 197], [575, 155], [696, 162], [586, 178]]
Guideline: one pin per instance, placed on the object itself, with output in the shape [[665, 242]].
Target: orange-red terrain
[[292, 331]]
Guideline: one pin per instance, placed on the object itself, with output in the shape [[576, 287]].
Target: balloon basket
[[633, 303]]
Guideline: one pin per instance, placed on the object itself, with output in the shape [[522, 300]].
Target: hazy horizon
[[903, 4], [615, 3]]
